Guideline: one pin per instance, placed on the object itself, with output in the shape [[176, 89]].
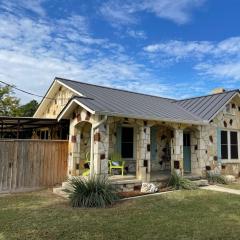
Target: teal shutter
[[119, 140], [153, 141], [219, 153]]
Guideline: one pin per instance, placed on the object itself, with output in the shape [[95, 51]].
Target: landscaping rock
[[229, 178], [149, 188]]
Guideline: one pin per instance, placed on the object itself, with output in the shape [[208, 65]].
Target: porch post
[[74, 152], [177, 151], [100, 149], [143, 153]]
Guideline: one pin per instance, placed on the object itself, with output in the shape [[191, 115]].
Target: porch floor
[[155, 176]]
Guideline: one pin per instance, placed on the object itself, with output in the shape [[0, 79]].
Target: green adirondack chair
[[116, 162], [86, 171]]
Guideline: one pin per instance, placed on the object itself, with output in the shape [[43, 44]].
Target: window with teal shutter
[[153, 140]]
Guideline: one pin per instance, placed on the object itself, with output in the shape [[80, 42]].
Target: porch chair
[[86, 162], [116, 162]]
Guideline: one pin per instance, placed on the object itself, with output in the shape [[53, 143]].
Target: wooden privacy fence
[[32, 163]]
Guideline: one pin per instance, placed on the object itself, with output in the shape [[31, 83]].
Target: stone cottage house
[[154, 135]]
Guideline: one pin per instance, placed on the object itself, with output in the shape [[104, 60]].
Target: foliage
[[178, 182], [216, 178], [28, 109], [9, 104], [95, 191]]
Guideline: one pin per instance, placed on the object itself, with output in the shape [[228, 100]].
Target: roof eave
[[65, 110], [152, 118]]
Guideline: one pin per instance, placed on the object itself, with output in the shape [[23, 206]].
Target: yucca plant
[[178, 182], [216, 178], [93, 192]]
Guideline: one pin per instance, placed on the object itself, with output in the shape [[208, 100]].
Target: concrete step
[[192, 177], [201, 182]]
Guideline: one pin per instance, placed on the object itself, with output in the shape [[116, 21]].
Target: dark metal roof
[[111, 101], [206, 107]]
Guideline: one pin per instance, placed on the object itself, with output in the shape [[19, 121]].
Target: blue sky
[[171, 48]]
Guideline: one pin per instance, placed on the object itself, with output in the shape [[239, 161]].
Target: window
[[234, 145], [229, 144], [224, 144], [127, 142]]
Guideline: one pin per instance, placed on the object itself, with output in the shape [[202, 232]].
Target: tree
[[9, 104], [28, 109]]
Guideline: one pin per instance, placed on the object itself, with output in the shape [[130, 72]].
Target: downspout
[[92, 144]]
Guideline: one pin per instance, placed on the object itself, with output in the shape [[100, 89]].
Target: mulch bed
[[139, 193]]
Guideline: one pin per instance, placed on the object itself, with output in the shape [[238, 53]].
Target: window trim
[[229, 159]]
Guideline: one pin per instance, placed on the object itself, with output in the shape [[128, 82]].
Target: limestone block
[[229, 178], [104, 166], [177, 150], [149, 188]]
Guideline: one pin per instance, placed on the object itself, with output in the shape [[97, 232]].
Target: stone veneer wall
[[203, 143], [81, 124], [225, 121], [60, 100], [114, 122], [164, 137]]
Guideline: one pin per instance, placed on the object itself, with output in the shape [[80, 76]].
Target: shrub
[[214, 178], [92, 192], [178, 182]]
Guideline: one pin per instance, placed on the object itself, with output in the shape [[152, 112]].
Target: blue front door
[[187, 152]]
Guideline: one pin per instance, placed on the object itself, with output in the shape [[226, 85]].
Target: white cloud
[[125, 13], [138, 34], [219, 60], [193, 49], [227, 70], [176, 11], [118, 13], [34, 51], [33, 6], [180, 49]]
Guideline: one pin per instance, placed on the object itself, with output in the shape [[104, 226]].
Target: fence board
[[32, 163]]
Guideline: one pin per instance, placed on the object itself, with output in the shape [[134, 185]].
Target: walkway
[[221, 189]]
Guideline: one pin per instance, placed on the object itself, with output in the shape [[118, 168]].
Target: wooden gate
[[32, 163]]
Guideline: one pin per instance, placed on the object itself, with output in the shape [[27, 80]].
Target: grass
[[231, 186], [180, 215]]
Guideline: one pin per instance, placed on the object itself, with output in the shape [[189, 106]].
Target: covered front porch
[[148, 150]]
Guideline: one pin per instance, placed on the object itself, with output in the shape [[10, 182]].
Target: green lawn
[[231, 185], [180, 215]]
